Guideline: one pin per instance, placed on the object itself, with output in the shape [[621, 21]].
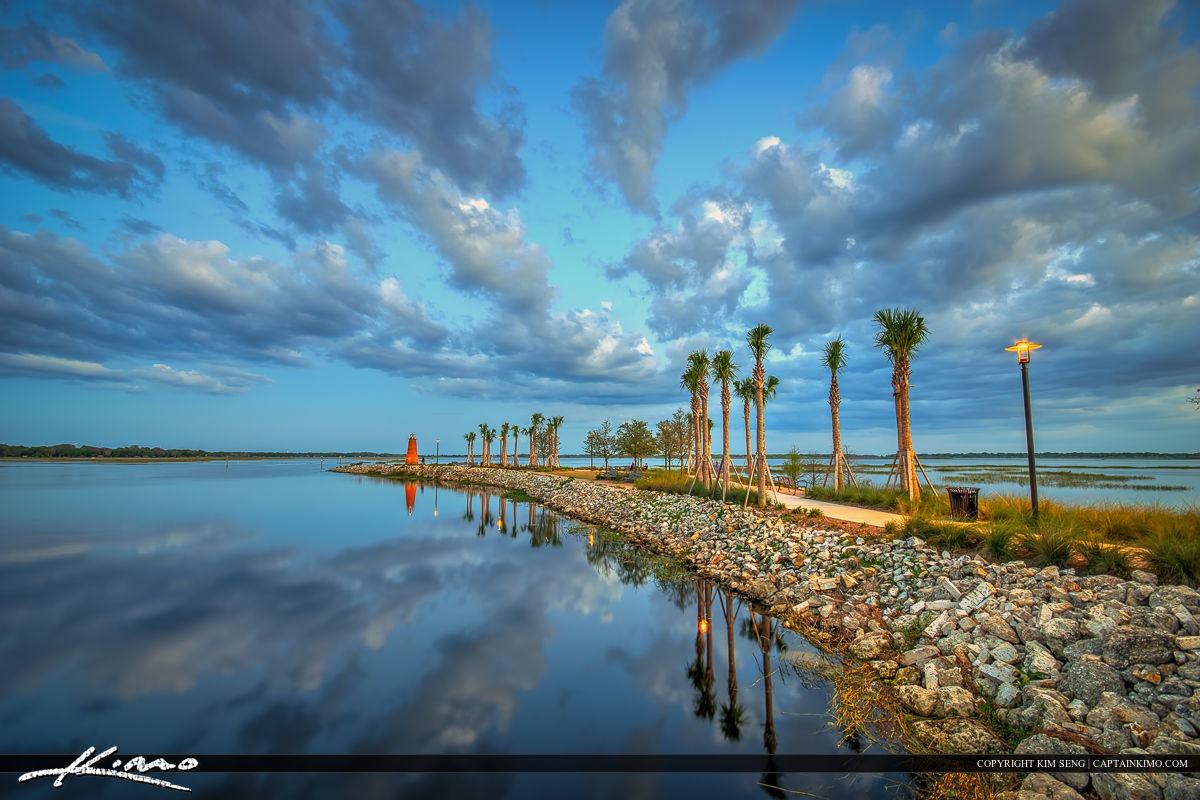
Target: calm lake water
[[1131, 481], [271, 607]]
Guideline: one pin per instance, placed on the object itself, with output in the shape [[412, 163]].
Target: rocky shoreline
[[1086, 664]]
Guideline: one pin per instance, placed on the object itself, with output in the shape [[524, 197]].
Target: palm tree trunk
[[706, 439], [746, 416], [835, 401], [725, 399], [759, 381]]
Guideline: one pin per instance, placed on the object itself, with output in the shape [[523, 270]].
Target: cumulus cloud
[[656, 53], [1022, 185], [169, 298], [488, 255]]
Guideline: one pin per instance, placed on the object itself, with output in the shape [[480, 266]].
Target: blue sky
[[284, 225]]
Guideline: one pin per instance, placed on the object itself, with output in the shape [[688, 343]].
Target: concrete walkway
[[867, 516]]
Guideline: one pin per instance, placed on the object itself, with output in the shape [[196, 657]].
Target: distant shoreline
[[94, 454]]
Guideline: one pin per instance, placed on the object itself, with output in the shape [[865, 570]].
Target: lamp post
[[1023, 348], [437, 452]]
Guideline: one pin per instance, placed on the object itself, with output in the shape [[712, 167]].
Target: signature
[[132, 770]]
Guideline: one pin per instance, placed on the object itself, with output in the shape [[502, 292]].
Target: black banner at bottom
[[179, 765]]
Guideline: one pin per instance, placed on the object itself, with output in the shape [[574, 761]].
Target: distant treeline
[[137, 451]]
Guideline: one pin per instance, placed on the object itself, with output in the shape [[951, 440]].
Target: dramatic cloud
[[657, 52], [25, 147], [420, 77], [33, 42]]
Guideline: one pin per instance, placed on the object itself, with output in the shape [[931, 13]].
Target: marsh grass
[[1174, 551], [872, 496]]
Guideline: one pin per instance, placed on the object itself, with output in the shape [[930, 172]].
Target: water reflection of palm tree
[[503, 505], [485, 513], [700, 671], [469, 515], [732, 715], [766, 639]]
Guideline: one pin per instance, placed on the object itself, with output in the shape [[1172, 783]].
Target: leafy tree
[[673, 435], [635, 440], [601, 442]]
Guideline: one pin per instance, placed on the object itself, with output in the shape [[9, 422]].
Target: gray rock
[[1083, 647], [954, 735], [1040, 786], [1089, 678], [1181, 787], [1041, 744], [1124, 786], [1127, 646], [1169, 596]]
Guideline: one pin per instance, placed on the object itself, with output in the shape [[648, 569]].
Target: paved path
[[867, 516]]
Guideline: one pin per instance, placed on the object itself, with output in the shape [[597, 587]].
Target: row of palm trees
[[901, 334], [756, 388], [547, 436]]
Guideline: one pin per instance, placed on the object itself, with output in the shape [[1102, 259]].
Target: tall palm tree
[[557, 423], [690, 380], [504, 429], [724, 370], [534, 422], [835, 358], [483, 444], [756, 339], [698, 360], [516, 432], [902, 331], [745, 390], [470, 437], [489, 438]]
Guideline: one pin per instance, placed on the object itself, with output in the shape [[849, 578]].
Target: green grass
[[872, 496], [672, 482]]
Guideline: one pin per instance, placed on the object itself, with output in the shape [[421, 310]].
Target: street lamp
[[1023, 348], [437, 452]]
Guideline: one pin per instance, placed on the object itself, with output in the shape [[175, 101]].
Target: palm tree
[[698, 362], [901, 334], [483, 444], [690, 380], [835, 358], [534, 422], [557, 423], [756, 339], [516, 432], [470, 437], [504, 429], [488, 439], [724, 370], [745, 390]]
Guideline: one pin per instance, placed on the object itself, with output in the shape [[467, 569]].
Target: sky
[[279, 225]]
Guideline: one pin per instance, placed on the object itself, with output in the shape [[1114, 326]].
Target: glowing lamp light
[[1023, 348], [702, 625]]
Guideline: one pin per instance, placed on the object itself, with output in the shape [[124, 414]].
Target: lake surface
[[1128, 481], [269, 607]]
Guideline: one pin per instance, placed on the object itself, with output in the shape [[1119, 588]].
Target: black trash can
[[964, 501]]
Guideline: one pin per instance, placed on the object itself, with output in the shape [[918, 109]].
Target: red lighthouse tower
[[411, 457]]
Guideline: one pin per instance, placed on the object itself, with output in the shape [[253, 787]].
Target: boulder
[[1088, 678], [1127, 646]]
